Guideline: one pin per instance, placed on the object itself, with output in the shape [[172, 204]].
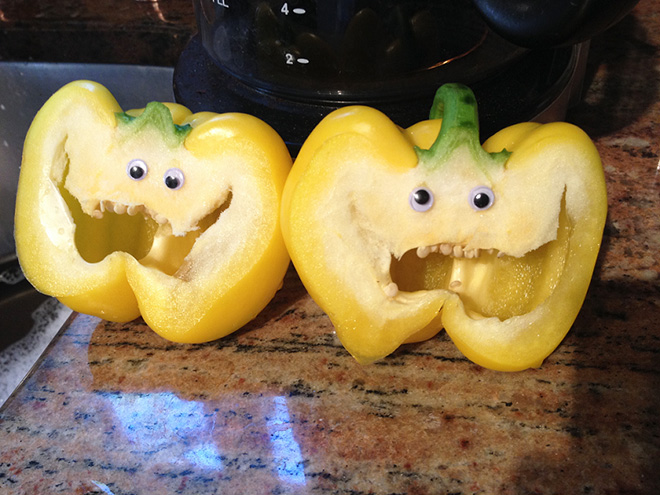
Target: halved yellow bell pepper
[[156, 212], [399, 233]]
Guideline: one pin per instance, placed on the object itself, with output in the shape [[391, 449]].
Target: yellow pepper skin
[[399, 233], [155, 212]]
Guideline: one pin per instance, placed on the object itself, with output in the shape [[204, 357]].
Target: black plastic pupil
[[136, 172], [171, 182], [481, 200], [422, 196]]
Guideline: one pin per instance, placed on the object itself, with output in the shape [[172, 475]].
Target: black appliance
[[292, 62]]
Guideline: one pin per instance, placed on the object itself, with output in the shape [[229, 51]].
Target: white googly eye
[[173, 179], [137, 169], [481, 198], [421, 199]]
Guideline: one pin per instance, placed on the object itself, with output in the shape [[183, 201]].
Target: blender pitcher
[[348, 51], [293, 62]]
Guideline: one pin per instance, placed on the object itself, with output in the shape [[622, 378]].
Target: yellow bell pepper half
[[155, 212], [399, 233]]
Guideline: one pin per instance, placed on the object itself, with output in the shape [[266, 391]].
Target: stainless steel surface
[[572, 91]]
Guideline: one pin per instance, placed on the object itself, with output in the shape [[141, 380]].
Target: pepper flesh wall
[[156, 212], [399, 233]]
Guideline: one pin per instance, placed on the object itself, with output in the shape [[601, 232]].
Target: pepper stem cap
[[159, 116], [456, 105]]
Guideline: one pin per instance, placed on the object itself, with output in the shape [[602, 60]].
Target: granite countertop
[[280, 407]]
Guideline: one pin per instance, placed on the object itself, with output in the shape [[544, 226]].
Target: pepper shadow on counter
[[609, 362]]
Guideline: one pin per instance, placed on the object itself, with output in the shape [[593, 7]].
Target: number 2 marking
[[290, 59]]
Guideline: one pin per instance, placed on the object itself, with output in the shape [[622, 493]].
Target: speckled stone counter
[[280, 407]]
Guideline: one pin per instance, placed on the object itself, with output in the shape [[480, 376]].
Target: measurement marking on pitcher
[[296, 10], [221, 3], [291, 59]]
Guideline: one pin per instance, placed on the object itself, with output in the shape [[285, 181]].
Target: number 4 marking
[[297, 10]]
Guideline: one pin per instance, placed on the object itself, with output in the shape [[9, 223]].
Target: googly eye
[[481, 198], [137, 169], [421, 199], [173, 179]]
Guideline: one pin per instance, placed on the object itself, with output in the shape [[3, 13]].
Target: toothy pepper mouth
[[482, 277], [454, 250], [120, 209], [444, 252], [154, 228], [97, 209]]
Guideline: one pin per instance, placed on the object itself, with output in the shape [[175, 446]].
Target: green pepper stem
[[456, 105], [157, 115]]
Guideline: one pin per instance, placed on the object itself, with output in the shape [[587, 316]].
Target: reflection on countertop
[[280, 407]]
